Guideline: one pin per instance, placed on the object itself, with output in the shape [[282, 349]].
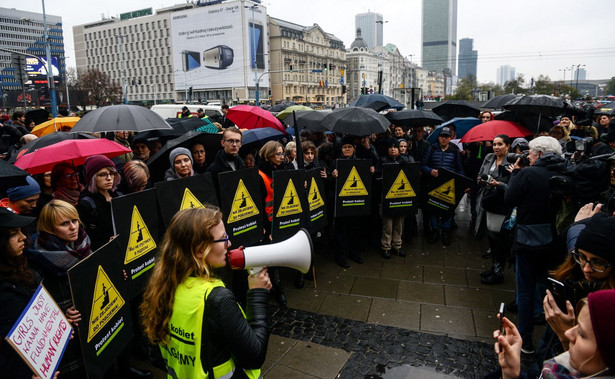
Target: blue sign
[[342, 80], [316, 70]]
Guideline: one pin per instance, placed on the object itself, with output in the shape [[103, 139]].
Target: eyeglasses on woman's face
[[595, 264], [225, 240]]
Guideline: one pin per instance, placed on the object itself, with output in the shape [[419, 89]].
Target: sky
[[536, 37]]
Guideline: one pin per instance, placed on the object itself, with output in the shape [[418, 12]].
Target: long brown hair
[[570, 269], [188, 235], [13, 268]]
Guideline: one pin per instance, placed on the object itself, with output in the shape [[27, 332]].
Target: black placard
[[135, 222], [178, 194], [353, 187], [99, 293], [444, 192], [290, 206], [242, 206], [400, 189], [316, 200]]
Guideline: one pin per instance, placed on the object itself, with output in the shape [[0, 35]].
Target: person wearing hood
[[534, 241], [180, 159]]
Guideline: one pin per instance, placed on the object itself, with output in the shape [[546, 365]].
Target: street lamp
[[66, 84], [50, 82]]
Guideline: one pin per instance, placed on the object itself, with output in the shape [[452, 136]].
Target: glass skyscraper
[[439, 35], [371, 28], [467, 58]]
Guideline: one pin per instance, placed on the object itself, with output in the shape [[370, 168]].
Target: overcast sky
[[534, 36]]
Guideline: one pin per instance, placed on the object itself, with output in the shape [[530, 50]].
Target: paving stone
[[468, 297], [435, 274], [447, 319], [485, 322], [333, 282], [430, 255], [280, 371], [395, 313], [306, 299], [276, 349], [351, 307], [375, 287], [411, 272], [324, 362], [421, 292], [463, 259]]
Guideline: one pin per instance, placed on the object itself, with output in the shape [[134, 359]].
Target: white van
[[173, 110]]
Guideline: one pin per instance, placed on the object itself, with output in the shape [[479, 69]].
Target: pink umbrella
[[249, 117], [487, 131], [74, 151]]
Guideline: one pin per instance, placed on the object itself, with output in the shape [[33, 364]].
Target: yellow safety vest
[[183, 353]]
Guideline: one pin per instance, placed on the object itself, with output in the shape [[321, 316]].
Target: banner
[[178, 194], [135, 222], [98, 287], [290, 206], [316, 200], [445, 192], [242, 206], [353, 187], [400, 185], [41, 334]]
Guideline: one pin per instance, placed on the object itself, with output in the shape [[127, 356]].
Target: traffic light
[[324, 66], [290, 68], [343, 89], [330, 67], [18, 62]]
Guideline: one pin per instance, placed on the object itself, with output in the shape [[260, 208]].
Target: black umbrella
[[38, 116], [47, 140], [499, 101], [535, 123], [377, 102], [356, 121], [152, 135], [544, 105], [414, 117], [281, 107], [455, 108], [131, 118], [11, 176], [185, 125], [159, 162], [310, 120], [606, 109]]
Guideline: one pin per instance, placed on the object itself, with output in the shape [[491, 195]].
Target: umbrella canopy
[[288, 111], [11, 176], [544, 105], [533, 122], [185, 125], [37, 115], [487, 131], [606, 109], [260, 135], [310, 120], [249, 117], [499, 101], [48, 140], [414, 117], [356, 121], [281, 107], [460, 124], [377, 102], [159, 162], [62, 124], [74, 151], [455, 108], [130, 118]]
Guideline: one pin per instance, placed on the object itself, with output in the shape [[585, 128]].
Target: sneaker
[[494, 278], [401, 252], [527, 347], [486, 273], [356, 258], [386, 253], [342, 262]]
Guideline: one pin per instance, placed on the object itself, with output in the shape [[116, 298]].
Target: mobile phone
[[502, 313], [558, 290], [191, 60], [218, 57]]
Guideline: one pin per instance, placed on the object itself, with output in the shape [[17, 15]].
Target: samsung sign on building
[[135, 14]]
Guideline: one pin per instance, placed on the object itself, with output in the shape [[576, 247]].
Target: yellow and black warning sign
[[106, 302], [317, 207], [190, 201], [243, 206], [445, 192], [401, 187], [290, 203], [314, 196], [353, 186], [140, 241]]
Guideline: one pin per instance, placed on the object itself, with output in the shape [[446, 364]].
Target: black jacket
[[95, 215]]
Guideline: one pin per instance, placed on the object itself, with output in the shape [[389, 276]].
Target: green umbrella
[[288, 111]]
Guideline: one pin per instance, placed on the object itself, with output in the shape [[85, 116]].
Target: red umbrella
[[74, 151], [489, 130], [249, 117]]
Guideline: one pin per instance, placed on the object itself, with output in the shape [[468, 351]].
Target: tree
[[465, 88], [567, 90], [495, 89], [516, 85], [610, 87], [100, 89], [544, 86]]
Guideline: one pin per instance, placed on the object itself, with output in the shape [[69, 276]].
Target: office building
[[505, 73], [468, 58], [371, 25], [580, 74], [439, 35]]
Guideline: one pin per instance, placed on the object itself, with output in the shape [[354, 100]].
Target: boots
[[299, 281], [277, 289], [496, 277]]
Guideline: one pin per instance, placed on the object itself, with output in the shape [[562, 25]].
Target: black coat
[[95, 215]]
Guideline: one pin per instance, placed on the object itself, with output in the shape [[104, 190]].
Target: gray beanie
[[179, 151]]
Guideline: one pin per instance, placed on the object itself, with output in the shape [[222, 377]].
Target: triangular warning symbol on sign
[[140, 241], [401, 187], [290, 203], [314, 196], [243, 206], [354, 185], [446, 192], [190, 201], [106, 302]]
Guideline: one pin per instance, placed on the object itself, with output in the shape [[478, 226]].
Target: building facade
[[363, 66], [505, 73], [371, 25], [468, 58], [439, 35]]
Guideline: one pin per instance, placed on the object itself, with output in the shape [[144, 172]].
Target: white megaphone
[[295, 252]]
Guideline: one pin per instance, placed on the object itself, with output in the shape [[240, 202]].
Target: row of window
[[29, 30], [113, 53], [137, 37], [158, 25], [310, 49]]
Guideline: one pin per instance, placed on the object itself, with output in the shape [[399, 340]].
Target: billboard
[[219, 46], [35, 67]]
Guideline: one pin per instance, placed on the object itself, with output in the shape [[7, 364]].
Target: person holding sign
[[197, 323]]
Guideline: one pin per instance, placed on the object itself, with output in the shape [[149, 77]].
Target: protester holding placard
[[191, 315]]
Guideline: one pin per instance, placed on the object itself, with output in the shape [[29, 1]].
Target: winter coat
[[436, 158]]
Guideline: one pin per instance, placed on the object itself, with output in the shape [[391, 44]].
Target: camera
[[582, 145], [523, 158], [485, 178]]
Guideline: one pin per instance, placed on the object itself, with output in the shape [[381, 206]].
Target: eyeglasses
[[225, 240], [279, 154], [68, 176], [233, 141], [595, 264], [106, 174]]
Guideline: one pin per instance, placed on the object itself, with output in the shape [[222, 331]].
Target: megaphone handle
[[255, 270]]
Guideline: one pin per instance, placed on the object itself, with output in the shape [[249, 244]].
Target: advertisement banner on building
[[38, 66], [219, 45]]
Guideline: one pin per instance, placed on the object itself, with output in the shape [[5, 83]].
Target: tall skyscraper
[[467, 58], [580, 74], [439, 35], [370, 24], [505, 73]]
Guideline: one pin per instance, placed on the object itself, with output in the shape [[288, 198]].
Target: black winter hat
[[599, 237]]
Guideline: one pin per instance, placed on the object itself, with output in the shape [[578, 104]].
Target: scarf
[[69, 195], [60, 255]]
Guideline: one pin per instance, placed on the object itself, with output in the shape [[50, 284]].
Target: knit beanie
[[602, 314], [94, 163], [179, 151], [348, 140], [22, 192], [598, 237]]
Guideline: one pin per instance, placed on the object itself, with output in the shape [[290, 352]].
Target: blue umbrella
[[461, 125], [260, 134]]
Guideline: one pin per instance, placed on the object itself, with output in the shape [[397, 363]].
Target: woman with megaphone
[[200, 328]]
